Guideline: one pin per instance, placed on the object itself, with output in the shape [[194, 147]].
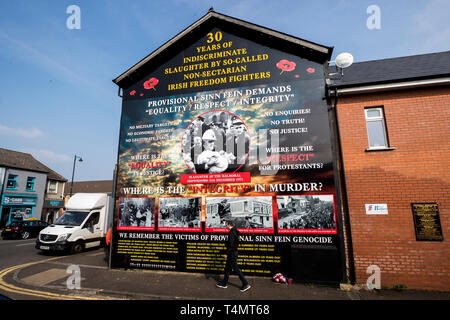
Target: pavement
[[55, 277]]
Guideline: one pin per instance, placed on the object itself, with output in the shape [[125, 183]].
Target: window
[[12, 182], [30, 184], [52, 187], [94, 219], [376, 128]]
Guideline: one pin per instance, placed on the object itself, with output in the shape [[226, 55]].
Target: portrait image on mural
[[215, 142], [248, 213], [176, 213], [136, 213], [303, 213]]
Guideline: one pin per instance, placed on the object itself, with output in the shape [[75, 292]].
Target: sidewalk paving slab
[[143, 285]]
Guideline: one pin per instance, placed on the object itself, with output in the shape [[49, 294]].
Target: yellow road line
[[42, 294]]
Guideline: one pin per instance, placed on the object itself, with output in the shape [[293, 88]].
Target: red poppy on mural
[[310, 70], [285, 65], [151, 83], [297, 76], [132, 93], [142, 94]]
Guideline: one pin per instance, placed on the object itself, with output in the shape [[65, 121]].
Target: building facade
[[24, 185], [389, 121], [54, 200], [393, 117], [91, 186], [22, 195]]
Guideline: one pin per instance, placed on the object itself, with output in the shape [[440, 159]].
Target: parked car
[[24, 229]]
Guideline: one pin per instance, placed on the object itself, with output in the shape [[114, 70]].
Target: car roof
[[28, 221]]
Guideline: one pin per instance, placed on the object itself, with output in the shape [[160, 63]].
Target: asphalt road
[[19, 252], [29, 274]]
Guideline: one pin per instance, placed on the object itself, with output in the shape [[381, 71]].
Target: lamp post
[[73, 171]]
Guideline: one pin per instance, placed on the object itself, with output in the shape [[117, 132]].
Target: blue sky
[[56, 94]]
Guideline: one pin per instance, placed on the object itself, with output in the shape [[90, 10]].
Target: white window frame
[[374, 119], [56, 187]]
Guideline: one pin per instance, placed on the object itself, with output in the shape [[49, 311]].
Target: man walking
[[224, 210], [231, 257]]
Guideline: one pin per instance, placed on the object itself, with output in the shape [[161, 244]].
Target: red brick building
[[393, 120]]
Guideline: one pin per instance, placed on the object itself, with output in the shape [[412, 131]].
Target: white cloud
[[48, 156], [19, 132]]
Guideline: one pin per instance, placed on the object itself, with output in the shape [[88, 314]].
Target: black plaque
[[427, 222]]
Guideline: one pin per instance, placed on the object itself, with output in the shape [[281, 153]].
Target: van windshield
[[71, 218]]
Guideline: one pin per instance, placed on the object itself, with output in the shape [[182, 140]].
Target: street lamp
[[73, 171]]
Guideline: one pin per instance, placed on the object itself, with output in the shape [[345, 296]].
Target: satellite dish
[[344, 60]]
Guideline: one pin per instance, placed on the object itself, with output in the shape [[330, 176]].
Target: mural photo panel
[[306, 214], [136, 214], [249, 214], [179, 214]]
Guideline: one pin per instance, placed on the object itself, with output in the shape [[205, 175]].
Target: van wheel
[[77, 247], [24, 235]]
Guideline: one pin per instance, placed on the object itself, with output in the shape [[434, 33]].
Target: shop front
[[17, 208], [52, 210]]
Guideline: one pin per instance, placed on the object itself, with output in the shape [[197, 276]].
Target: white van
[[83, 225]]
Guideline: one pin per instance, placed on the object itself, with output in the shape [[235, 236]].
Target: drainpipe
[[345, 209]]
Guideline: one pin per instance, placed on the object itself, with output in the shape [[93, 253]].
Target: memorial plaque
[[427, 222]]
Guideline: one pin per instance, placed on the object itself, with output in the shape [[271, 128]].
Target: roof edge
[[327, 51], [162, 47], [387, 82], [394, 58], [42, 168], [393, 85]]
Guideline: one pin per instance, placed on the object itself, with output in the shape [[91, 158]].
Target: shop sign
[[380, 208], [19, 200], [53, 204]]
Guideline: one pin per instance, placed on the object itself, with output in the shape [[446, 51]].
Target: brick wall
[[418, 170]]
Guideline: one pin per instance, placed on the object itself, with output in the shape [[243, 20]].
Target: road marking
[[96, 254], [80, 265], [24, 244], [42, 294], [45, 277], [11, 242]]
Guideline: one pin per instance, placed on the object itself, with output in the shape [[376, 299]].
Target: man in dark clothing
[[231, 257], [224, 210]]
